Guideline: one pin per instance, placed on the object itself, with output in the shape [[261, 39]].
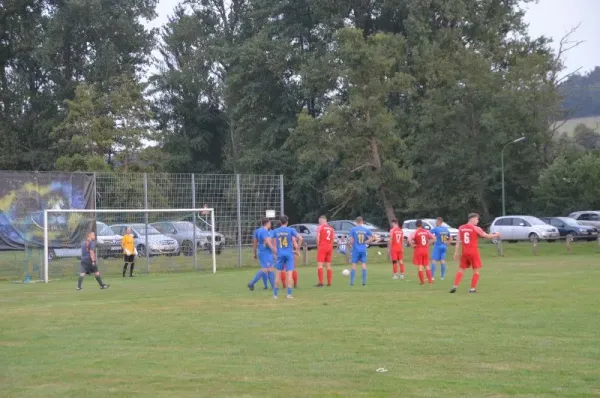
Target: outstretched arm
[[457, 248], [485, 235]]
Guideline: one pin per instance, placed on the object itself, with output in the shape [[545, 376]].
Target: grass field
[[531, 331]]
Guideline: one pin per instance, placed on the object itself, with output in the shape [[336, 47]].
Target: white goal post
[[195, 212]]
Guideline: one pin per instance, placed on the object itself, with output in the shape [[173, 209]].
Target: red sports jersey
[[326, 235], [421, 238], [397, 239], [468, 235]]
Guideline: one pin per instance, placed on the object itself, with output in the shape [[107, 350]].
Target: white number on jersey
[[467, 238], [329, 234], [423, 240]]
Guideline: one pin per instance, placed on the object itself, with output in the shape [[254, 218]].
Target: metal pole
[[503, 193], [46, 246], [212, 230], [281, 193], [195, 244], [146, 221], [239, 218]]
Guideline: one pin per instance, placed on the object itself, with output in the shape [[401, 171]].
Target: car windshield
[[104, 230], [141, 229], [370, 226], [186, 226], [535, 221]]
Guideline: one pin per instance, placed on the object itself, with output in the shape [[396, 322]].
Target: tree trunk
[[387, 204]]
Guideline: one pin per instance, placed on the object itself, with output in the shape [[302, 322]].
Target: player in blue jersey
[[360, 237], [255, 247], [442, 238], [266, 252], [287, 241]]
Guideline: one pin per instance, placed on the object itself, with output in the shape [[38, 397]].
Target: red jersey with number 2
[[326, 235]]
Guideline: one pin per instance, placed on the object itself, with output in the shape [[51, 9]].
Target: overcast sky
[[552, 18]]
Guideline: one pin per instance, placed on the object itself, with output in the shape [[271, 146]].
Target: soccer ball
[[345, 272]]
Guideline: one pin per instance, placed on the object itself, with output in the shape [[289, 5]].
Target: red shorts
[[421, 257], [468, 260], [324, 255], [397, 255]]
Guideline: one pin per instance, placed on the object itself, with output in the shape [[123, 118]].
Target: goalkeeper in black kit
[[88, 261]]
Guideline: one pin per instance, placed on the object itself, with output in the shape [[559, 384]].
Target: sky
[[551, 18]]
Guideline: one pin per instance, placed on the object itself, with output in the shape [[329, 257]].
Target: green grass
[[531, 331]]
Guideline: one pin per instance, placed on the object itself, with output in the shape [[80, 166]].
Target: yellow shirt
[[127, 244]]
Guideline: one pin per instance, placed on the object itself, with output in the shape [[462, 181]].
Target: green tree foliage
[[569, 184], [586, 137], [103, 129], [582, 94]]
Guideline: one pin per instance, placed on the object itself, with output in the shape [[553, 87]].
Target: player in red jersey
[[325, 238], [420, 241], [466, 245], [396, 249]]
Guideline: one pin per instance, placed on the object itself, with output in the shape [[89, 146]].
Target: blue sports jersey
[[360, 235], [261, 235], [442, 235], [284, 239]]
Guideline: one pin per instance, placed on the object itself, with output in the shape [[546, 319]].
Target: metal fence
[[239, 200]]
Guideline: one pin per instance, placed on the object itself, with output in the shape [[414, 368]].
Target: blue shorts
[[266, 259], [359, 257], [439, 253], [285, 261]]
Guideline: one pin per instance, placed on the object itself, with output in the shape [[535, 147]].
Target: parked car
[[410, 226], [157, 242], [308, 233], [590, 217], [183, 233], [516, 228], [342, 229], [570, 227], [108, 243]]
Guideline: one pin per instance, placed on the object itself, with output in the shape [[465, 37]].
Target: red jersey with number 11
[[469, 235], [326, 235]]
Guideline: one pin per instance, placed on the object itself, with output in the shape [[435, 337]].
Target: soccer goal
[[165, 240]]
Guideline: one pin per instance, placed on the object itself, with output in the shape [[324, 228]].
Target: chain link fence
[[239, 200]]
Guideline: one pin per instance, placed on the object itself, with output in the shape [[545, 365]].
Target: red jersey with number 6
[[326, 235], [469, 235]]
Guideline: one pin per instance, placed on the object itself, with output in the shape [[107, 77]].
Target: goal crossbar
[[143, 211]]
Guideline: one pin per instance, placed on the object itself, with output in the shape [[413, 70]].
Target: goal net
[[165, 240]]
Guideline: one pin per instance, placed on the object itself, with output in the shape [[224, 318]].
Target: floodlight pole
[[502, 167]]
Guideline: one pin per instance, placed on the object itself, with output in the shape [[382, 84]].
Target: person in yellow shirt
[[129, 252]]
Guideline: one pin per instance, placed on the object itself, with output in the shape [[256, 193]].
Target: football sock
[[474, 281], [124, 269], [256, 277], [329, 276], [352, 276], [395, 267], [79, 281], [295, 277], [432, 269], [131, 269], [429, 276], [422, 277], [320, 275], [289, 291], [458, 277], [283, 277], [264, 279], [271, 277], [99, 280], [402, 268], [443, 271], [364, 276], [275, 291]]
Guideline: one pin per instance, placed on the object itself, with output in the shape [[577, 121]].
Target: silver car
[[516, 228], [157, 242], [308, 233], [183, 233], [590, 217]]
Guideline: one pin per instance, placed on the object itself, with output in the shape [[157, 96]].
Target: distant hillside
[[581, 94], [567, 127]]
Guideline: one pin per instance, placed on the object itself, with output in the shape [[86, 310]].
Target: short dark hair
[[265, 221], [419, 223], [473, 215], [394, 221], [284, 219]]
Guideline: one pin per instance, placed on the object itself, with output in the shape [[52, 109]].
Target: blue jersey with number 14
[[442, 236], [284, 239], [360, 235]]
